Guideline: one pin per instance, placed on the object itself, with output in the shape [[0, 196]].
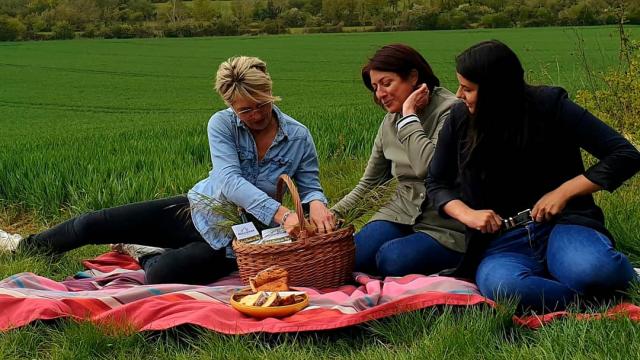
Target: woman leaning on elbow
[[252, 143]]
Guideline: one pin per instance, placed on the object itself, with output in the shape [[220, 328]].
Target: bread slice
[[272, 300], [252, 300], [276, 285], [273, 278]]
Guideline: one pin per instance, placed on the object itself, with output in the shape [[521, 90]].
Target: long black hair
[[499, 124]]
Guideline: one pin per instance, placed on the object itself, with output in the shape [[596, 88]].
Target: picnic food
[[268, 295], [251, 300], [272, 299], [273, 278]]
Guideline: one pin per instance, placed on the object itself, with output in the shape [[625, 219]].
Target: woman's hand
[[553, 202], [416, 101], [321, 217], [287, 219], [485, 221], [291, 224], [549, 205]]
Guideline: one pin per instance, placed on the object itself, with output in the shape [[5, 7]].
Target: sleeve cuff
[[597, 174], [443, 200], [266, 211], [410, 125], [315, 195], [406, 120]]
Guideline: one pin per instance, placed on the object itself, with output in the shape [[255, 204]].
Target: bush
[[540, 17], [273, 27], [11, 29], [294, 18], [226, 25], [462, 17], [40, 36], [91, 31], [327, 28], [633, 14], [313, 21], [63, 30], [422, 18], [35, 23], [498, 20], [187, 28], [123, 31], [127, 31], [618, 101]]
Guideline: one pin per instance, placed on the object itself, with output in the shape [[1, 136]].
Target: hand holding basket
[[312, 260]]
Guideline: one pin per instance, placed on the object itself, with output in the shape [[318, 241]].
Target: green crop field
[[93, 123], [87, 124]]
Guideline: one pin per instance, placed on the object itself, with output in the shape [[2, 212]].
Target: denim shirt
[[239, 177]]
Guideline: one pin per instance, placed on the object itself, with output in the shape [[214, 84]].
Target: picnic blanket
[[112, 290]]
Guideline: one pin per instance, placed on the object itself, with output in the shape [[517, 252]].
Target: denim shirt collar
[[282, 121]]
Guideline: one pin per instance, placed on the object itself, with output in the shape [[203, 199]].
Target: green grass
[[93, 123], [428, 334]]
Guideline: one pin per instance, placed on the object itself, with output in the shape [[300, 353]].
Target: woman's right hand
[[485, 221], [417, 100]]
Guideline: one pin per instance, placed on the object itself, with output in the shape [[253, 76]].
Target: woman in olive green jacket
[[406, 235]]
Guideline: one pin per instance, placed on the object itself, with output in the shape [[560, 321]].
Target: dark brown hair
[[400, 59]]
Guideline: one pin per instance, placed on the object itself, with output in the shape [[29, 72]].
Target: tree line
[[66, 19]]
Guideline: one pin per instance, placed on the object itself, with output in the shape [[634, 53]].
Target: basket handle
[[283, 180]]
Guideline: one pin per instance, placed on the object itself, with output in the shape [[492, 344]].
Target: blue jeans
[[389, 249], [546, 266]]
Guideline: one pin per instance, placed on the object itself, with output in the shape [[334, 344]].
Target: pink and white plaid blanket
[[112, 290]]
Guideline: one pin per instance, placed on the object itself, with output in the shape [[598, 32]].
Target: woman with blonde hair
[[252, 143]]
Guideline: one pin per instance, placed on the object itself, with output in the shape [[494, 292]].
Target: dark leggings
[[164, 223]]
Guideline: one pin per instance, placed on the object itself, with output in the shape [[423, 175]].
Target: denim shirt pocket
[[247, 163], [276, 166]]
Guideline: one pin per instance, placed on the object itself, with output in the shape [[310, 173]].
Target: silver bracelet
[[285, 216]]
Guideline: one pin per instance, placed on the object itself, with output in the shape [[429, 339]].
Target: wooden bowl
[[269, 311]]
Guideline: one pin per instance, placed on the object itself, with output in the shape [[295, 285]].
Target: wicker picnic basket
[[321, 261]]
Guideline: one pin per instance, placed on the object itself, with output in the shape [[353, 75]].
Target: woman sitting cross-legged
[[252, 143], [510, 147], [406, 235]]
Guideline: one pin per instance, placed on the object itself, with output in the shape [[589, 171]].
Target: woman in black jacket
[[510, 147]]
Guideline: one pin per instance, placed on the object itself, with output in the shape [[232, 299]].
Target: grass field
[[93, 123]]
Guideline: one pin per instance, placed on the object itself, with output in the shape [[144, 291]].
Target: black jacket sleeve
[[443, 170], [618, 158]]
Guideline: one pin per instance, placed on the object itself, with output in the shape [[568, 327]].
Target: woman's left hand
[[416, 101], [552, 203], [321, 217], [549, 205]]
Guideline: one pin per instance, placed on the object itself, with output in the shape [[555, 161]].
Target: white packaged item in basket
[[246, 232], [276, 235]]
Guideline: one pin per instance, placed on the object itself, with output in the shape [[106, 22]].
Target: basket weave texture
[[312, 260]]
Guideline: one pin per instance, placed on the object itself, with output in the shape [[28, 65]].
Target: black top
[[516, 180]]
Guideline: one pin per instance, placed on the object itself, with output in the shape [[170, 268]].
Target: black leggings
[[164, 223]]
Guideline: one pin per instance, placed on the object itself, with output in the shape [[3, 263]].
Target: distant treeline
[[65, 19]]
